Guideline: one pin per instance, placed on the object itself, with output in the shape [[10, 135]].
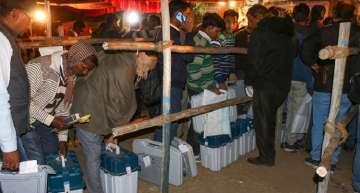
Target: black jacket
[[178, 61], [271, 53], [242, 38], [328, 36]]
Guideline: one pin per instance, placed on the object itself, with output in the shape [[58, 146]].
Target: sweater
[[107, 93], [201, 70], [224, 64], [44, 77]]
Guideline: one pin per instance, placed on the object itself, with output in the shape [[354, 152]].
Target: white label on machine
[[27, 167], [147, 161], [67, 187], [183, 148], [128, 170]]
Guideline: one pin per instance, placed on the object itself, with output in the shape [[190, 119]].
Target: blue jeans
[[21, 149], [321, 109], [91, 145], [39, 142], [356, 163], [175, 106]]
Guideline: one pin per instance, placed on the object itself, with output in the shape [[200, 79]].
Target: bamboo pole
[[44, 38], [117, 44], [157, 121], [166, 100], [337, 138], [339, 73], [333, 52], [48, 23]]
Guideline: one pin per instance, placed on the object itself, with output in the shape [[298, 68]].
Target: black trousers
[[266, 103]]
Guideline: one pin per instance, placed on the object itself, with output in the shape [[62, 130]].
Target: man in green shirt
[[201, 70]]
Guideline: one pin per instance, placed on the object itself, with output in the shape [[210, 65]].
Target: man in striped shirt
[[224, 65], [201, 70], [51, 80]]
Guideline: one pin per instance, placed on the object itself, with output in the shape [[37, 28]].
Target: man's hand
[[222, 86], [59, 123], [233, 77], [11, 160], [216, 91], [63, 147], [110, 139]]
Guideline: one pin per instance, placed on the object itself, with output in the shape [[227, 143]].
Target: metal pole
[[166, 97], [48, 23]]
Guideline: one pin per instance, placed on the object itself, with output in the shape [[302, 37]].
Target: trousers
[[321, 109], [266, 103], [91, 145], [39, 142]]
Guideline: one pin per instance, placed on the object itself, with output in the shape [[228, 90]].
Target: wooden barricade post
[[331, 138]]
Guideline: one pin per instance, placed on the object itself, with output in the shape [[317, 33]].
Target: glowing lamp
[[232, 4], [132, 17], [40, 16]]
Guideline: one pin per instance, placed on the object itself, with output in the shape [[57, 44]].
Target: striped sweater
[[200, 72], [44, 77], [224, 65]]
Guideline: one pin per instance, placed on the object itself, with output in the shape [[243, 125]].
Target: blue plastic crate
[[214, 141], [70, 173], [117, 165]]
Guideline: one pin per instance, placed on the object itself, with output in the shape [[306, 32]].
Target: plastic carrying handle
[[113, 148]]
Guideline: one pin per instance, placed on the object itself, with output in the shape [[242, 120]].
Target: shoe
[[300, 144], [313, 163], [260, 161], [289, 148], [197, 158], [332, 168]]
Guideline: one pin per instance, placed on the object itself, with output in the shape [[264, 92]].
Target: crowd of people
[[281, 67]]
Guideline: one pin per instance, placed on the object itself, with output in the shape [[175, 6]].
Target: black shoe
[[313, 163], [289, 148], [332, 168], [260, 161]]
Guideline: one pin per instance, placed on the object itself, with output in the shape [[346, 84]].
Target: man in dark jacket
[[254, 15], [324, 75], [180, 18], [14, 84], [271, 53]]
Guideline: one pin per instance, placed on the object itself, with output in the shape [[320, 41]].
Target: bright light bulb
[[132, 17], [232, 4], [40, 16], [221, 3]]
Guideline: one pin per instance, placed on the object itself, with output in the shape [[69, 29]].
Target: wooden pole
[[333, 52], [119, 45], [157, 121], [48, 23], [166, 100], [339, 73], [113, 44], [337, 138]]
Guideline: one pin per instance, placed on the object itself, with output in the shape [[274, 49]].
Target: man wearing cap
[[51, 80], [14, 86]]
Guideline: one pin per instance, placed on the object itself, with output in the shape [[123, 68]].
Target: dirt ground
[[289, 175]]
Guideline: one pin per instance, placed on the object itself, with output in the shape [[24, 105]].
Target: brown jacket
[[108, 93]]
